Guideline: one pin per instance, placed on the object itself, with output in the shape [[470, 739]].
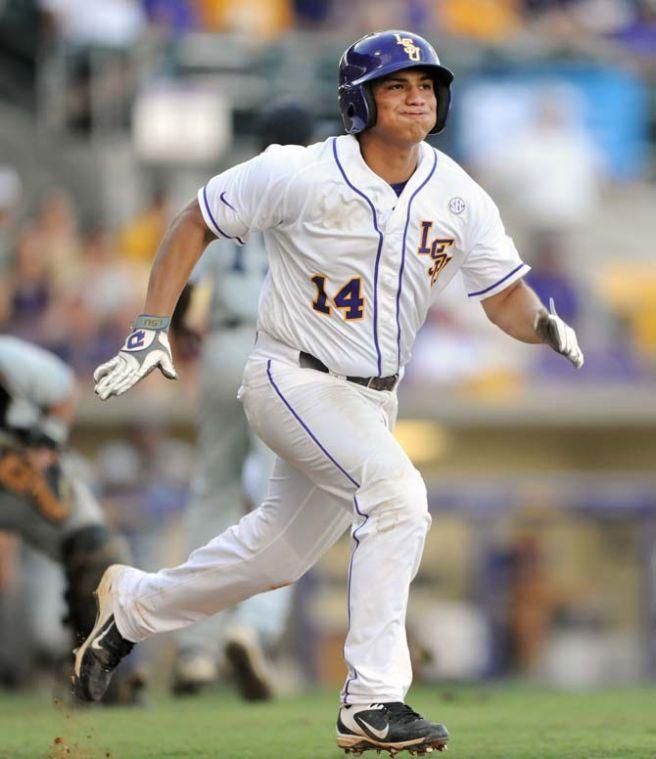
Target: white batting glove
[[560, 336], [146, 348]]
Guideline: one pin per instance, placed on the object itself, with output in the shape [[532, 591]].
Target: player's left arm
[[518, 311]]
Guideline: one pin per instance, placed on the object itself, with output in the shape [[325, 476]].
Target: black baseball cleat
[[244, 653], [99, 655], [392, 727]]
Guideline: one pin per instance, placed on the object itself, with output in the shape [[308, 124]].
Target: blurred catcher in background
[[234, 465], [43, 498]]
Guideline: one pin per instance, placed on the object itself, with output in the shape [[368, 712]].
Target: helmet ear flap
[[443, 97], [356, 105], [368, 97]]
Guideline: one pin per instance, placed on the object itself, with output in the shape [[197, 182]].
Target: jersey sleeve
[[247, 197], [492, 262]]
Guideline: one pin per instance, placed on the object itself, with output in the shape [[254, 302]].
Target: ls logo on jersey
[[412, 51], [436, 249]]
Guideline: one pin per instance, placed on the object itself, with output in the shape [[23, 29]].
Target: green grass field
[[497, 722]]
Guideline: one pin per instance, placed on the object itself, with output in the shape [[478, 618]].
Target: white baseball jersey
[[354, 268]]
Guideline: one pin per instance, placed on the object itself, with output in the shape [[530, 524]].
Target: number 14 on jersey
[[349, 299]]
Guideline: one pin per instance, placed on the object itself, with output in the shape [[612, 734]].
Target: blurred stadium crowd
[[114, 112]]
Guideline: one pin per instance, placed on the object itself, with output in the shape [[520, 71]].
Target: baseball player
[[41, 498], [363, 232], [232, 459]]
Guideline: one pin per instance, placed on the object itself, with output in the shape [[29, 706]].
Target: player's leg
[[351, 428], [269, 547], [336, 434], [339, 434], [216, 501]]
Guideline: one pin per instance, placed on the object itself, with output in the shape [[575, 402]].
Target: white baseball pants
[[337, 464]]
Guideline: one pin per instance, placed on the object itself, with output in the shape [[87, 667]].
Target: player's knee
[[397, 498], [413, 500]]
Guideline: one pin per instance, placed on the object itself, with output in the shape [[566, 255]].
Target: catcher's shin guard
[[86, 554]]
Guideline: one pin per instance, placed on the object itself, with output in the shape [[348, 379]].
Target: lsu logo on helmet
[[412, 51]]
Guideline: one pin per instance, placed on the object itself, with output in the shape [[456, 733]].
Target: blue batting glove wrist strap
[[147, 321]]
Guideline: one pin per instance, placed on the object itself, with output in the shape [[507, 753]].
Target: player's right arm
[[247, 197], [147, 346], [182, 246]]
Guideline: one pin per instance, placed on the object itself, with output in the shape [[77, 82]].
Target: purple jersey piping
[[209, 213], [496, 284], [402, 267], [365, 517], [378, 252], [352, 677], [306, 428]]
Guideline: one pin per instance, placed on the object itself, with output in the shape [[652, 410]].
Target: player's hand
[[559, 335], [145, 349]]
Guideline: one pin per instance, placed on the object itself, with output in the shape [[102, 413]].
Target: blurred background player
[[234, 465], [43, 497]]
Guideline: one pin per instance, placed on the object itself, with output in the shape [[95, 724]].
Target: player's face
[[406, 105]]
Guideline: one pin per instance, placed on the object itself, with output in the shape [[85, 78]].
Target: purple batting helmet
[[377, 55]]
